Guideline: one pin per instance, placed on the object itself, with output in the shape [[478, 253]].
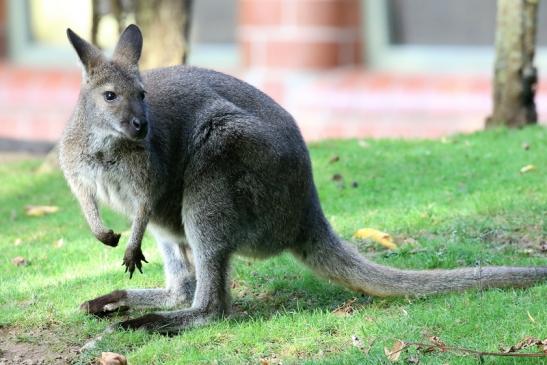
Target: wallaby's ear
[[88, 53], [129, 47]]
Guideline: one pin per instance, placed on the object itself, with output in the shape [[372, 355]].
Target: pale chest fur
[[119, 184], [115, 193]]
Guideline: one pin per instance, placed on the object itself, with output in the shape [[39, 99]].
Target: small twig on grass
[[438, 345], [475, 352]]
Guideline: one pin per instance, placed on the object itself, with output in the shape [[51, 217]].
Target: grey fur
[[221, 165]]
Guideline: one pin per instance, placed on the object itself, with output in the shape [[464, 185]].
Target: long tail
[[341, 262]]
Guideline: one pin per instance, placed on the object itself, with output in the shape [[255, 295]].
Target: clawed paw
[[109, 238], [132, 259]]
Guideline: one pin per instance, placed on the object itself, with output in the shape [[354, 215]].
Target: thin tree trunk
[[165, 26], [515, 76]]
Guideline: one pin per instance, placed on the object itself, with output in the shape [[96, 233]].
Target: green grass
[[456, 202]]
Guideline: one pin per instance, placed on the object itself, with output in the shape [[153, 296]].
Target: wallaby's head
[[112, 90]]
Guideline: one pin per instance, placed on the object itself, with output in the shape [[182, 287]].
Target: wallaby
[[206, 160]]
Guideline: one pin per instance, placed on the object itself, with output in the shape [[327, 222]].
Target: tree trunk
[[515, 76], [165, 26]]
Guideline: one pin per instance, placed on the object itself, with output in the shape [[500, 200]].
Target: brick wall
[[299, 34]]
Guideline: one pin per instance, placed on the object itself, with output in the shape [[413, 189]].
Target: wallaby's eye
[[142, 94], [110, 95]]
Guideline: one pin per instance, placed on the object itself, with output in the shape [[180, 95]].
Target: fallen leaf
[[337, 177], [270, 360], [445, 140], [410, 241], [112, 358], [334, 159], [264, 296], [364, 144], [345, 309], [395, 352], [19, 261], [527, 168], [339, 180], [59, 243], [40, 210], [437, 342], [381, 237], [18, 242]]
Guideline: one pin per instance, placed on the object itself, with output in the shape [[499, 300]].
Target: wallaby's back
[[201, 118]]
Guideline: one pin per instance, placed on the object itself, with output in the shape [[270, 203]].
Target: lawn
[[447, 203]]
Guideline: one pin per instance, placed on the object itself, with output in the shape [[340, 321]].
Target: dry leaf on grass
[[364, 144], [345, 309], [112, 358], [437, 342], [270, 360], [377, 236], [19, 261], [445, 140], [40, 210], [334, 159], [339, 181], [59, 243], [394, 353], [337, 177], [527, 168]]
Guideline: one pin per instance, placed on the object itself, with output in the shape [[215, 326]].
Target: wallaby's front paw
[[107, 304], [132, 258], [109, 238]]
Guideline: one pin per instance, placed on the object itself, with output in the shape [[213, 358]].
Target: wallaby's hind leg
[[211, 299], [179, 284], [212, 296]]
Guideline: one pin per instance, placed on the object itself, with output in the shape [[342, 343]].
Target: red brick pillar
[[299, 34]]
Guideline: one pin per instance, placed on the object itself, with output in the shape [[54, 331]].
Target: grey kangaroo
[[207, 161]]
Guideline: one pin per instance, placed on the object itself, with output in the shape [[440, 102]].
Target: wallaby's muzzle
[[136, 128]]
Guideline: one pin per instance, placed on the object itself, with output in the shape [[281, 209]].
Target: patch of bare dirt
[[36, 347]]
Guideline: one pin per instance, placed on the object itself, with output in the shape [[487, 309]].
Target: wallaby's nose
[[136, 124]]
